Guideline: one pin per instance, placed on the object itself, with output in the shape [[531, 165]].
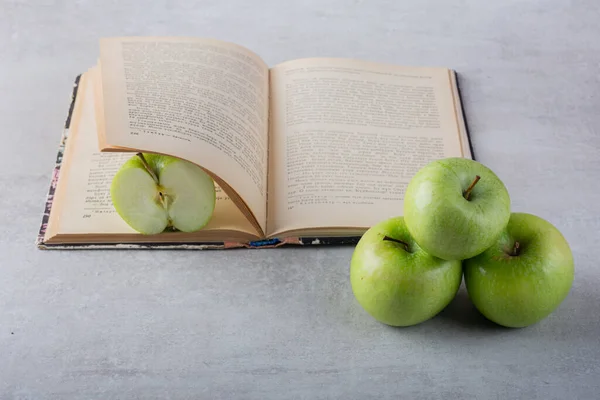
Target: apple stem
[[468, 191], [516, 249], [397, 241], [145, 163]]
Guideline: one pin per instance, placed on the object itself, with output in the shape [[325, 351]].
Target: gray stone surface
[[283, 324]]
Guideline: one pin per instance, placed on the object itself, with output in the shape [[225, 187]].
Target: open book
[[310, 150]]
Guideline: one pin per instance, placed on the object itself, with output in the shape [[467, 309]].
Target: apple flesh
[[524, 276], [455, 208], [154, 192], [396, 281]]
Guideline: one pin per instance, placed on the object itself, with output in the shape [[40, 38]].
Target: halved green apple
[[154, 192]]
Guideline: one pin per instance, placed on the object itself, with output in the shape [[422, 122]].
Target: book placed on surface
[[310, 151]]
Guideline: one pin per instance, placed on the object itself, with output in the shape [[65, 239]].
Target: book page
[[83, 203], [202, 100], [347, 136]]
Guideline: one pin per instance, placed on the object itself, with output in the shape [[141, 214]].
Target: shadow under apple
[[463, 313], [459, 315]]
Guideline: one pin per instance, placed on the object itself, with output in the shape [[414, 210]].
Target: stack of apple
[[517, 267]]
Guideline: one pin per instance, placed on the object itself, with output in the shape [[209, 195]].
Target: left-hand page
[[202, 100], [82, 204]]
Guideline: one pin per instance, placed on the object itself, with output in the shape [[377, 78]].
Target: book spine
[[57, 165]]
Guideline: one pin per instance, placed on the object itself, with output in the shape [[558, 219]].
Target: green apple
[[524, 276], [154, 192], [455, 208], [396, 281]]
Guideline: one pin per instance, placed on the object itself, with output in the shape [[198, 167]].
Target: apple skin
[[443, 221], [399, 287], [518, 291]]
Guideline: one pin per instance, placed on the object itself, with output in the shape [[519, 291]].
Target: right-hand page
[[346, 137]]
